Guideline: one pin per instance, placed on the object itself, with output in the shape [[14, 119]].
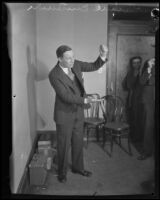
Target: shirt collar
[[64, 69]]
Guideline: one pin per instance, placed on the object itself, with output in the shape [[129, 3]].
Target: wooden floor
[[120, 174]]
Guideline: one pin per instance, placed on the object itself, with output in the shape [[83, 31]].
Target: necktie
[[70, 74]]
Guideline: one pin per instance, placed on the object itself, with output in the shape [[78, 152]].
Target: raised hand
[[151, 63], [103, 50]]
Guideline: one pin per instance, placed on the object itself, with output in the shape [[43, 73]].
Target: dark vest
[[77, 86]]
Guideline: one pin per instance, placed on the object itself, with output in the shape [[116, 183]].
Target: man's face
[[136, 63], [67, 60]]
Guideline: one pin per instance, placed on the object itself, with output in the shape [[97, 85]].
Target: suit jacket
[[148, 86], [68, 102], [131, 84]]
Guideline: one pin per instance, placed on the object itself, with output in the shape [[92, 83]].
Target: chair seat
[[94, 121], [116, 126]]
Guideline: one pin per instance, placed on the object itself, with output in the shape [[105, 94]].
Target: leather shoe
[[62, 178], [82, 172], [142, 157]]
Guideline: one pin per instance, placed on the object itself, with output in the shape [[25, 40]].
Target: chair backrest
[[93, 110], [113, 108]]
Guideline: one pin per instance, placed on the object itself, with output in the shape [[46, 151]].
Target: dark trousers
[[134, 119], [70, 135], [147, 127]]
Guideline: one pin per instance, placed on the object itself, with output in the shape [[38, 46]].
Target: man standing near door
[[131, 84], [66, 79]]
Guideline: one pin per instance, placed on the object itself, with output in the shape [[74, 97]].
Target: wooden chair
[[92, 117], [115, 126]]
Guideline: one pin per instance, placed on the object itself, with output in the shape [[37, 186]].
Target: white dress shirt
[[64, 69]]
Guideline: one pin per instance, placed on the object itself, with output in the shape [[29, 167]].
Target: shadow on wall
[[36, 72], [41, 75], [41, 72], [31, 94]]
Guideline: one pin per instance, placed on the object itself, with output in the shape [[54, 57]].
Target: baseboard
[[24, 183]]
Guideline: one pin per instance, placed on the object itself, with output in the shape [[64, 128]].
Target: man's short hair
[[61, 50], [134, 58]]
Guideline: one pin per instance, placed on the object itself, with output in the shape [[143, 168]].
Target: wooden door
[[126, 39]]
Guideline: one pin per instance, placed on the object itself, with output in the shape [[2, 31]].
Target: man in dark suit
[[66, 79], [147, 101], [131, 84]]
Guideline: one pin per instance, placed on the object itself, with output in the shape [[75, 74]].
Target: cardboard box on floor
[[38, 169], [41, 162]]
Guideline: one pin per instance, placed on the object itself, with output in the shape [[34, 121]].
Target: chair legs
[[104, 137], [97, 133], [112, 138]]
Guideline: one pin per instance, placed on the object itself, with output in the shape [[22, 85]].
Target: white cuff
[[103, 58]]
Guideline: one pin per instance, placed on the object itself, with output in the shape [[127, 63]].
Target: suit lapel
[[63, 76], [66, 79], [78, 77]]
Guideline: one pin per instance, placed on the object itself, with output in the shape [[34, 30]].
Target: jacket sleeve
[[62, 92], [145, 80], [93, 66]]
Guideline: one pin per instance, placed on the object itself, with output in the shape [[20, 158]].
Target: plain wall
[[84, 31], [23, 52]]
